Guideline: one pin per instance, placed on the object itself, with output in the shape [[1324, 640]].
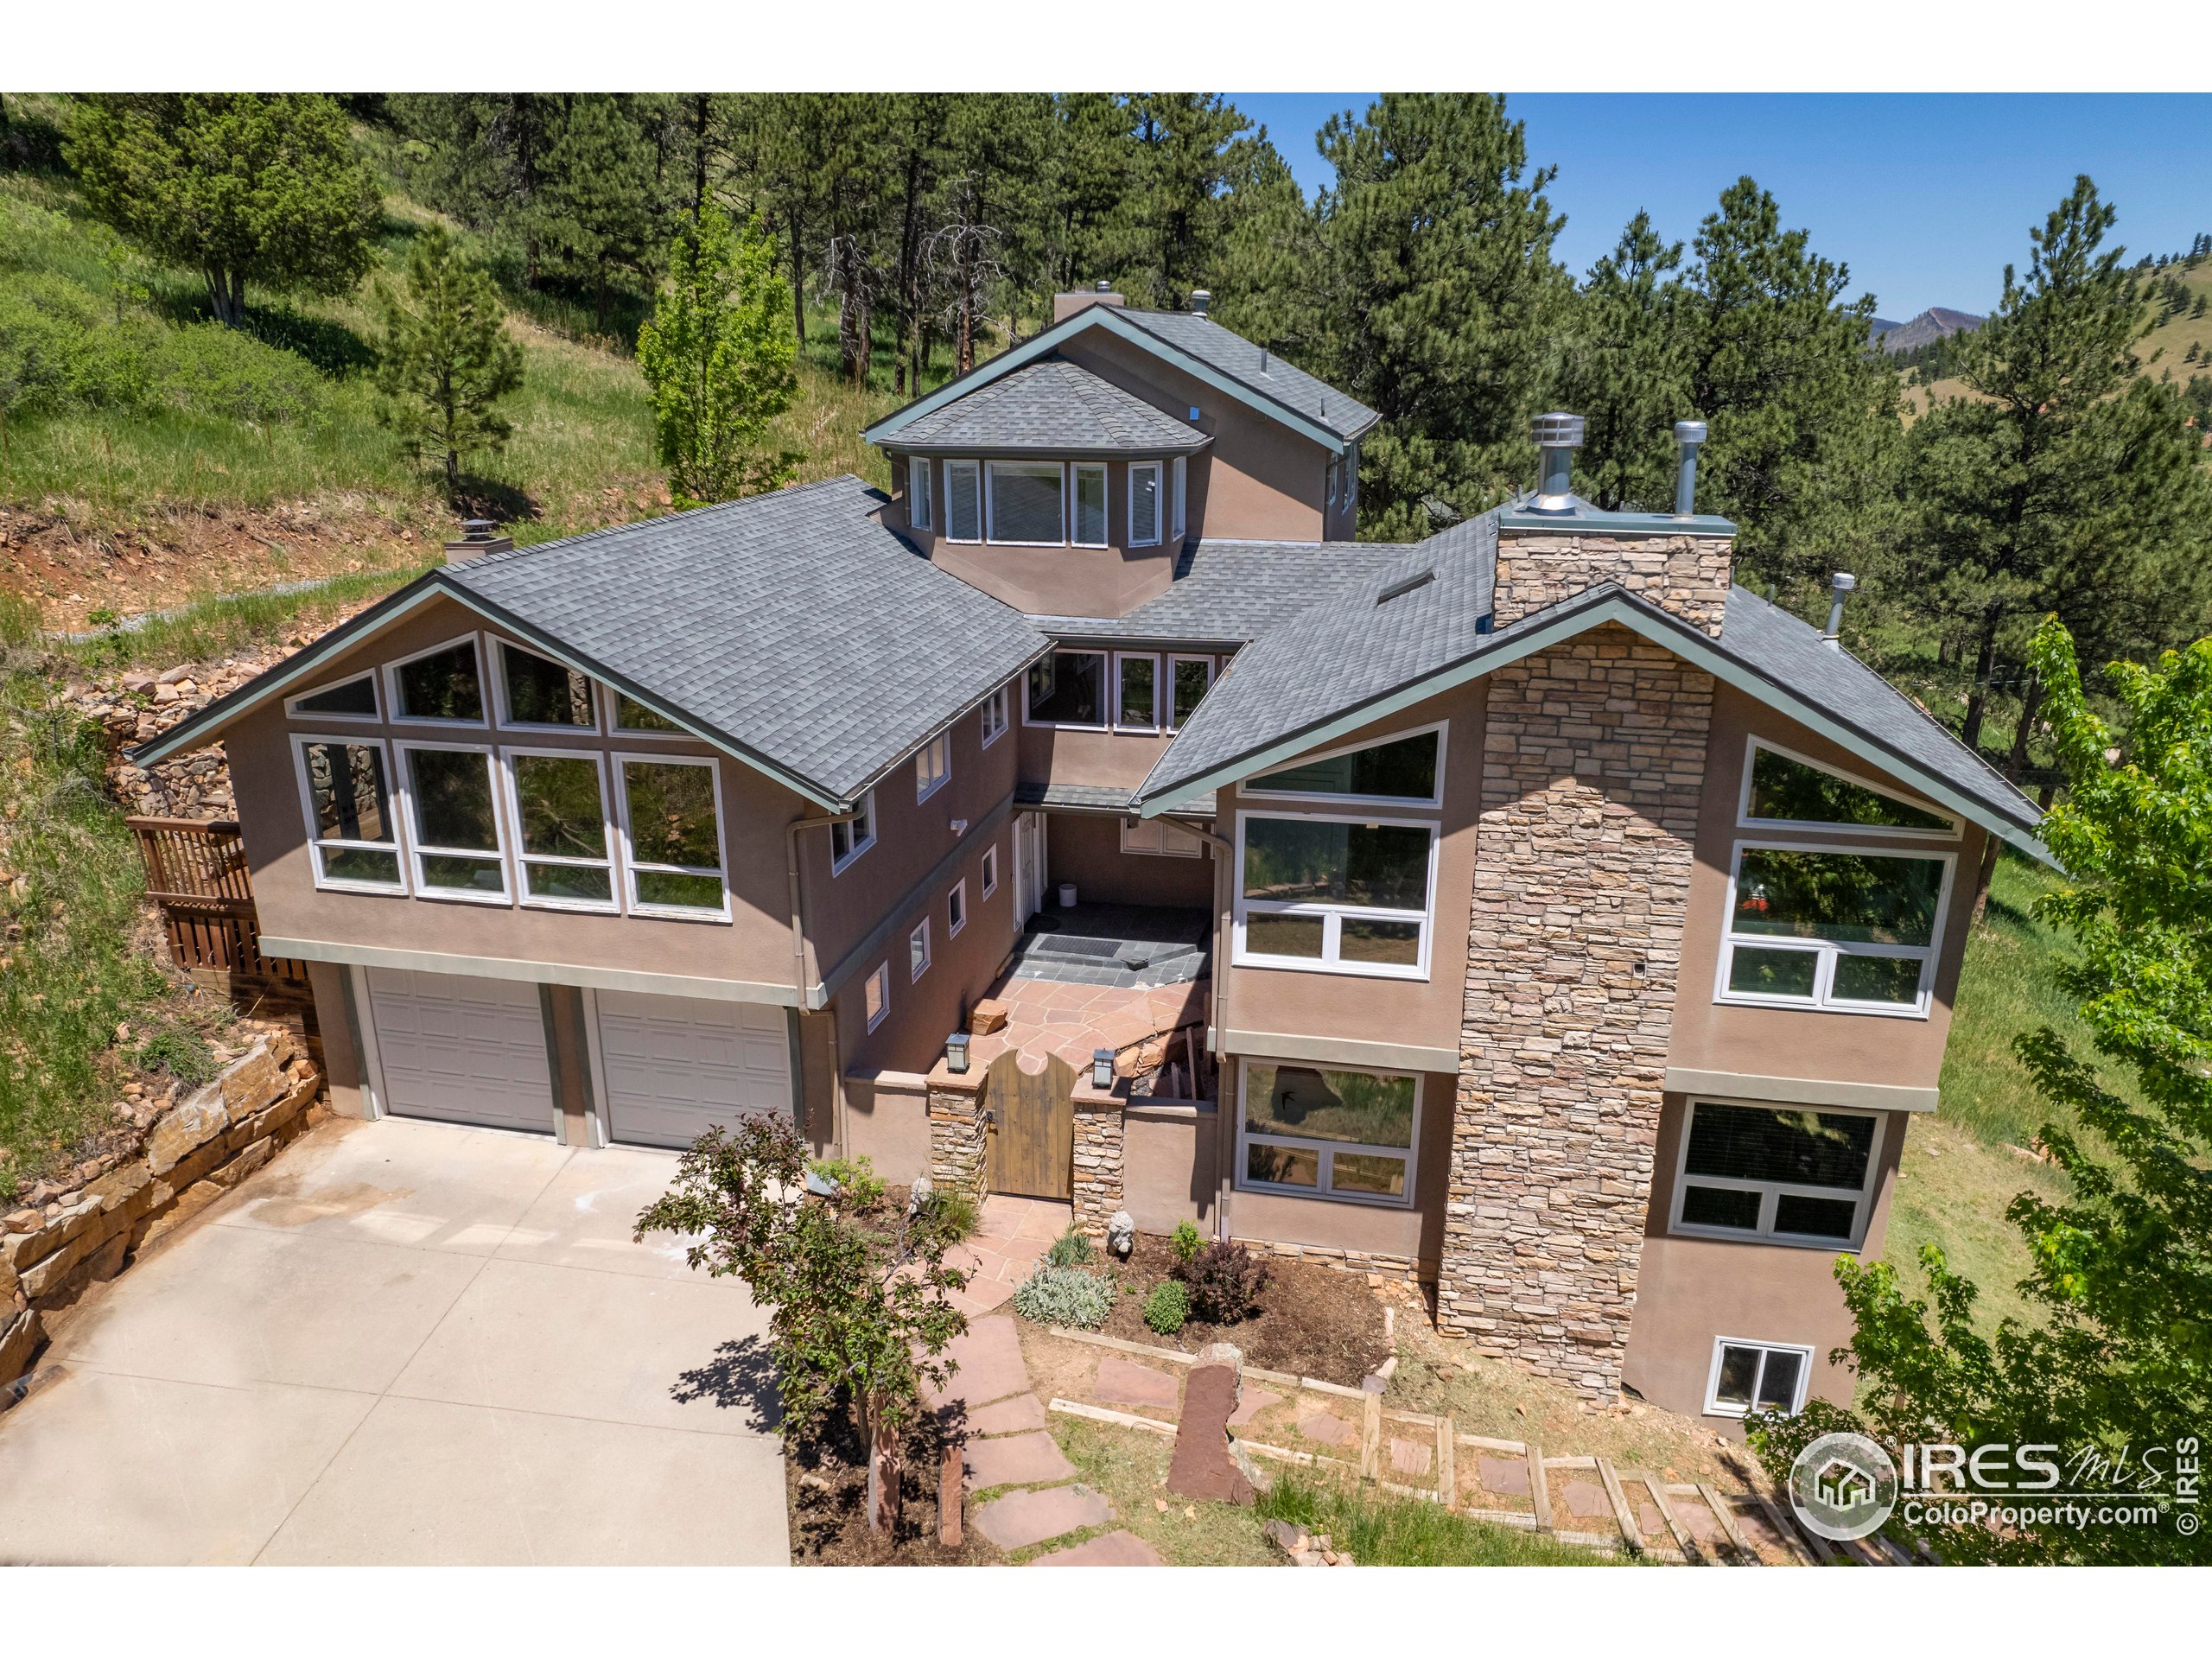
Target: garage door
[[675, 1064], [466, 1051]]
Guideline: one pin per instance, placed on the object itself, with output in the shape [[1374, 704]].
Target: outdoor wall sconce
[[960, 826], [956, 1053], [1101, 1068]]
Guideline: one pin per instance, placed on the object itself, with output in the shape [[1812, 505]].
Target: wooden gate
[[1032, 1128]]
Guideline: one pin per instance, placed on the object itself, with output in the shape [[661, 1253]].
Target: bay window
[[1792, 1175], [346, 789], [1144, 503], [1328, 1132], [964, 501], [1341, 894], [1027, 502], [1822, 928], [918, 503], [454, 824], [1090, 507], [562, 843], [672, 829]]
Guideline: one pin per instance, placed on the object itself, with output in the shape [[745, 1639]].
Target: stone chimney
[[1066, 305], [478, 538]]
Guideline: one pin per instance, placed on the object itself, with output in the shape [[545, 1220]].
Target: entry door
[[462, 1050], [1032, 1128], [1029, 865], [676, 1066]]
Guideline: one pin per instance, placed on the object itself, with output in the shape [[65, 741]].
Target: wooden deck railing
[[195, 871]]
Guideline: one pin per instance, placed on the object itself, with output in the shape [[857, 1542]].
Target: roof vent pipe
[[1558, 436], [1199, 301], [1841, 583], [1689, 435]]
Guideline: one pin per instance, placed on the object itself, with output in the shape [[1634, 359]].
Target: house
[[1531, 912]]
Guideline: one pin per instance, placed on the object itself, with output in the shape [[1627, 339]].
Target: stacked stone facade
[[1099, 1149], [1685, 575], [1594, 763], [957, 1130]]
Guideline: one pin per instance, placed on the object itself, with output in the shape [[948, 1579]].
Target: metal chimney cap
[[1102, 286], [1200, 299], [1558, 430], [479, 529], [1843, 581], [1689, 432]]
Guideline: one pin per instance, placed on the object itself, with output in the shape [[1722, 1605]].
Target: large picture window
[[1028, 502], [671, 821], [1069, 688], [1340, 1134], [455, 823], [1340, 895], [1820, 928], [563, 843], [1788, 790], [351, 829], [1789, 1174], [1404, 771]]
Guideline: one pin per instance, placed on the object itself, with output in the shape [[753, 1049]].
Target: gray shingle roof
[[1094, 797], [1055, 406], [1263, 371], [1227, 592]]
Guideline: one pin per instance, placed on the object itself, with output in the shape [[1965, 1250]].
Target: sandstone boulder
[[191, 1126]]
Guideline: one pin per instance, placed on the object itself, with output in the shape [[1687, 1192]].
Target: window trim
[[397, 705], [1158, 490], [1114, 712], [1000, 703], [1213, 672], [1331, 915], [630, 864], [316, 841], [1770, 1190], [1721, 1345], [955, 908], [502, 717], [991, 500], [1182, 478], [610, 699], [1165, 850], [522, 857], [1829, 950], [975, 467], [1327, 1149], [293, 711], [990, 872], [1077, 469], [919, 931], [418, 849], [939, 748], [925, 497], [879, 981], [1106, 689], [1394, 803], [864, 808], [1753, 743]]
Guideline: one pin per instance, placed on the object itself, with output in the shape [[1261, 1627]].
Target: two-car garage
[[467, 1049]]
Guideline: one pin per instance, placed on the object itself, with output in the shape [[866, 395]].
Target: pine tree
[[445, 360], [717, 354], [1179, 209], [598, 213], [1625, 370], [1088, 233]]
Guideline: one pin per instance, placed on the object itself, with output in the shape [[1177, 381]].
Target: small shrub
[[1224, 1283], [1071, 1249], [1064, 1296], [1168, 1308], [1186, 1241], [178, 1050], [855, 1179]]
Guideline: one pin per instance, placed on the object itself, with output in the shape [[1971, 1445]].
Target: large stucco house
[[1531, 912]]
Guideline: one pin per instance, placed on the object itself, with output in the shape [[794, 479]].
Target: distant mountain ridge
[[1938, 322]]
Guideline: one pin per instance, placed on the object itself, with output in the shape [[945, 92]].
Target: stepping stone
[[1761, 1532], [981, 1295], [991, 1368], [1586, 1500], [1697, 1520], [1201, 1465], [1652, 1524], [1411, 1457], [1107, 1549], [1010, 1416], [1507, 1477], [1016, 1460], [1126, 1384], [1330, 1431], [1019, 1519], [1256, 1400]]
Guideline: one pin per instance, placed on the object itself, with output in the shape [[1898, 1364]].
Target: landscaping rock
[[1255, 1400], [1016, 1460], [1507, 1477], [1108, 1549], [1413, 1457], [188, 1128], [1328, 1430], [1202, 1466], [989, 1366], [1019, 1519], [1288, 1536], [21, 1336]]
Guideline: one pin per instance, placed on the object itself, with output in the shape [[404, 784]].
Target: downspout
[[799, 963], [1225, 1157]]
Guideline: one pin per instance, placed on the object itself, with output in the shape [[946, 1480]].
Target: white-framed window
[[535, 693], [671, 837], [1351, 477], [1406, 769], [964, 501], [1189, 679], [1068, 688], [1845, 928], [441, 686], [850, 838], [876, 995], [1089, 526], [1029, 504], [1783, 790], [1336, 1132], [956, 909], [1159, 838], [1748, 1376], [351, 698], [564, 840], [997, 716], [1136, 693], [1333, 894], [990, 870], [1776, 1174], [1334, 467], [1182, 491], [932, 766], [345, 790], [453, 822], [633, 719], [920, 506], [918, 950], [1144, 503]]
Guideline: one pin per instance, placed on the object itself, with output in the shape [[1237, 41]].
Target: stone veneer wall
[[1686, 574], [1594, 762], [1100, 1140], [956, 1138], [1380, 1267]]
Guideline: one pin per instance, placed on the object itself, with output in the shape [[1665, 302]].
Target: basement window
[[1782, 1175], [1748, 1376]]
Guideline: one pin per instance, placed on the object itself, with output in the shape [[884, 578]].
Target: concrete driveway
[[406, 1343]]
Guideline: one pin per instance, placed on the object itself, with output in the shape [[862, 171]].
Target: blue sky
[[1925, 197]]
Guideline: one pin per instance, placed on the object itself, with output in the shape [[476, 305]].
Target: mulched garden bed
[[825, 1490], [1314, 1321]]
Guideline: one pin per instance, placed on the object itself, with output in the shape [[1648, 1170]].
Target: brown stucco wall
[[1064, 754], [1168, 1166], [1086, 849], [886, 1120], [341, 1044]]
